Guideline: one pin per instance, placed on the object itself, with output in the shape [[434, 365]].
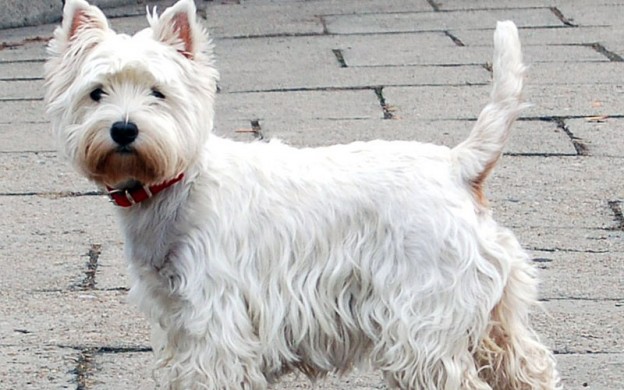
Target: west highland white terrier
[[252, 260]]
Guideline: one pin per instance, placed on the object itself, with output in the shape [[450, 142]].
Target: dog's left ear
[[178, 27]]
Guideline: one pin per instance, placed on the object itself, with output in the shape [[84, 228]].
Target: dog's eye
[[157, 93], [96, 94]]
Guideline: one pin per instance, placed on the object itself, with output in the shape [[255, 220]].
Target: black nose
[[124, 133]]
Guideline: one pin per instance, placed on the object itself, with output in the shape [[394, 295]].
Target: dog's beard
[[145, 161]]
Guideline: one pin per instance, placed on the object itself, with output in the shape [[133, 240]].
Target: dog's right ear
[[80, 20]]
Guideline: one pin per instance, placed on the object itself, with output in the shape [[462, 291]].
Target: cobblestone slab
[[582, 326], [26, 70], [22, 111], [598, 134], [21, 174], [36, 367], [71, 319], [27, 137], [378, 54], [565, 275], [21, 89], [592, 371], [528, 137], [432, 21], [566, 240], [462, 102], [299, 104]]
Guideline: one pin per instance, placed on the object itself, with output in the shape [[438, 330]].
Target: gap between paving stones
[[88, 282], [566, 22], [255, 130], [54, 195], [434, 5], [579, 146], [85, 363], [616, 208], [455, 39], [437, 7], [388, 111], [613, 57], [360, 88], [340, 57]]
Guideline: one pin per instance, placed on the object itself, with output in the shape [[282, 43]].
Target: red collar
[[132, 196]]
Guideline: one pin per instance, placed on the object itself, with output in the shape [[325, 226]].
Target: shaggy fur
[[265, 258]]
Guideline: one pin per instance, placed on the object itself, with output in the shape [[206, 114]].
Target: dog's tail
[[477, 155]]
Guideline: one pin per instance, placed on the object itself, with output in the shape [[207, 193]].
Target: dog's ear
[[80, 18], [178, 27]]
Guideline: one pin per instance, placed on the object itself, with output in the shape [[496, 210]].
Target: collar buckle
[[127, 197]]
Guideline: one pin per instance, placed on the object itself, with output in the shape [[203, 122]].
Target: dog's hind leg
[[510, 355]]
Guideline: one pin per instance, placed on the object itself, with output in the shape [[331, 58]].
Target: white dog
[[255, 259]]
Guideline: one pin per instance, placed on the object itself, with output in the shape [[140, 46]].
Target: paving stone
[[556, 239], [58, 264], [526, 192], [598, 136], [22, 111], [22, 173], [574, 72], [404, 53], [527, 137], [21, 89], [270, 19], [582, 326], [461, 5], [336, 7], [132, 370], [591, 14], [12, 36], [310, 62], [74, 319], [565, 275], [545, 36], [592, 371], [36, 367], [512, 4], [43, 224], [112, 271], [462, 102], [432, 21], [29, 70], [296, 104], [28, 52], [27, 137]]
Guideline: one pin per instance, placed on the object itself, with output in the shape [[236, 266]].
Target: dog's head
[[131, 108]]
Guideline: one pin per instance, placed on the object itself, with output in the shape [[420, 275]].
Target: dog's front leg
[[211, 350], [204, 336]]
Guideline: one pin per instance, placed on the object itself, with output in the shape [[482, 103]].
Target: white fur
[[267, 258]]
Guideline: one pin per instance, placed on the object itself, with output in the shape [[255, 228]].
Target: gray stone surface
[[27, 137], [599, 371], [64, 318], [28, 13], [428, 21], [598, 135], [36, 367], [303, 105]]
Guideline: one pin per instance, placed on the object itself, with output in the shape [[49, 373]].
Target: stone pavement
[[318, 72]]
